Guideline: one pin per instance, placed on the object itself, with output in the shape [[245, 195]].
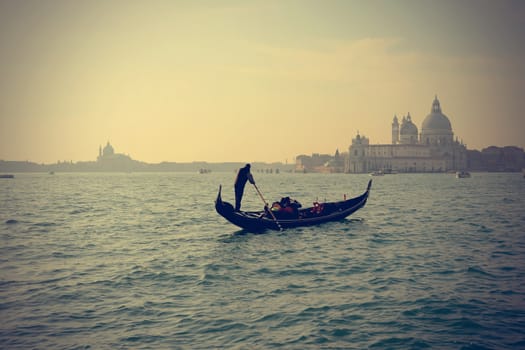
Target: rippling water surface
[[142, 261]]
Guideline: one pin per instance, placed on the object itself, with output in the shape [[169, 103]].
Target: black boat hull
[[257, 221]]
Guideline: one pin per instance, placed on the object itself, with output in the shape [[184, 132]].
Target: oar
[[266, 206]]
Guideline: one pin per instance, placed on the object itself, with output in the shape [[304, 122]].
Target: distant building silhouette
[[509, 158], [108, 160]]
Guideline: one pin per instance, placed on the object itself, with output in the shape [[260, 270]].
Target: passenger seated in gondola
[[317, 209], [286, 208]]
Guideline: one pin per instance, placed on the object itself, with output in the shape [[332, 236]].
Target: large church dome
[[436, 120], [436, 127]]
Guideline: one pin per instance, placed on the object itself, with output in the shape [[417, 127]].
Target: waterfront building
[[432, 150], [320, 163], [313, 163], [108, 160]]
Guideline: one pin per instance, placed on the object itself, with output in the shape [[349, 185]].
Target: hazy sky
[[252, 80]]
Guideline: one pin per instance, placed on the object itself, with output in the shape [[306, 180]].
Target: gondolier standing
[[243, 175]]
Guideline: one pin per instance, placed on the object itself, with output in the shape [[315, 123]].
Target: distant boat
[[6, 176], [386, 171], [462, 174]]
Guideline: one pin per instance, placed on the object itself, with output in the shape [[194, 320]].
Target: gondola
[[258, 221]]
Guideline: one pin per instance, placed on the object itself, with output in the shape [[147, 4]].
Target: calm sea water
[[142, 261]]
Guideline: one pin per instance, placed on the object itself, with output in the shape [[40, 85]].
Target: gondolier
[[243, 176]]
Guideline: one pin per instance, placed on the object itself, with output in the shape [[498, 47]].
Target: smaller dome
[[407, 127]]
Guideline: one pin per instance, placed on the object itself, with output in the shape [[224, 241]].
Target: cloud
[[374, 61]]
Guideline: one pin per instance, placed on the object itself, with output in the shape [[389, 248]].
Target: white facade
[[432, 151]]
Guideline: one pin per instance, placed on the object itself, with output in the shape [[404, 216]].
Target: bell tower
[[395, 131]]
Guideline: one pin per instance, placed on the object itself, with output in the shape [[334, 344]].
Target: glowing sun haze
[[252, 80]]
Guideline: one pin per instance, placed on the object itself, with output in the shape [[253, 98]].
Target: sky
[[217, 81]]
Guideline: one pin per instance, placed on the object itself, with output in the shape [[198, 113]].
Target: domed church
[[433, 150], [107, 152], [436, 128]]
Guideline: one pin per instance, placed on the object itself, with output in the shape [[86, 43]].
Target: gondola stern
[[219, 204], [219, 198], [225, 209]]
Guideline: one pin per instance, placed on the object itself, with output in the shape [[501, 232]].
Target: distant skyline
[[247, 81]]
